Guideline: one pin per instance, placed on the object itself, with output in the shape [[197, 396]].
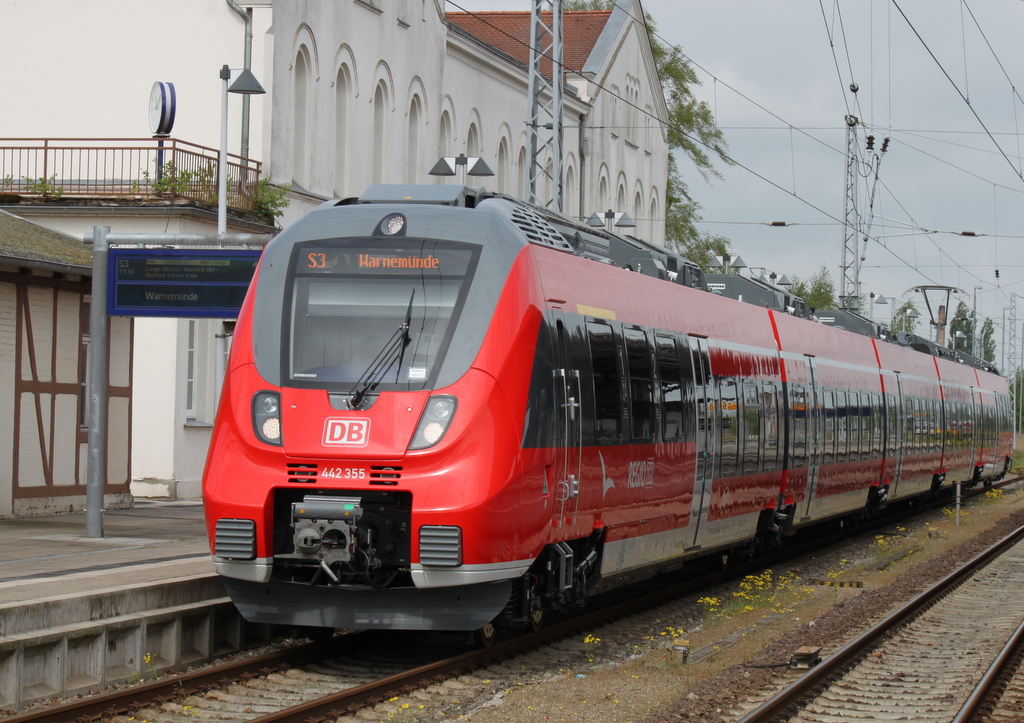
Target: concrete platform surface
[[157, 540], [79, 613]]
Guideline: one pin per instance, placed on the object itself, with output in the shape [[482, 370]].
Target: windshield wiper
[[393, 350]]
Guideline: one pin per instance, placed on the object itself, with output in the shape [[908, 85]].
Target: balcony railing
[[145, 169]]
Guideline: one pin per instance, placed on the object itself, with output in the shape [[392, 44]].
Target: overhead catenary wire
[[726, 156]]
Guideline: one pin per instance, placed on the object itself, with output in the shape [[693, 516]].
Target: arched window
[[638, 215], [501, 177], [653, 221], [602, 195], [523, 175], [412, 161], [301, 147], [342, 91], [380, 102], [444, 140], [570, 196], [472, 141]]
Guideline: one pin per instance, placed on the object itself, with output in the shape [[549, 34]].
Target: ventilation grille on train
[[235, 539], [538, 230], [381, 475], [301, 472], [441, 546]]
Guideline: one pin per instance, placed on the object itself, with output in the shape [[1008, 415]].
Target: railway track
[[339, 676], [924, 660]]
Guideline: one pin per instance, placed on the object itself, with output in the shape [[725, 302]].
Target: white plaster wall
[[407, 55], [643, 163], [85, 69], [458, 75], [153, 413]]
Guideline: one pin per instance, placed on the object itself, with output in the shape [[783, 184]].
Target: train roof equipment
[[545, 227]]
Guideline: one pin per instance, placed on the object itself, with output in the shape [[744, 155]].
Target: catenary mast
[[545, 117]]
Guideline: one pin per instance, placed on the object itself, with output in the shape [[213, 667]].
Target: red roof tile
[[509, 32]]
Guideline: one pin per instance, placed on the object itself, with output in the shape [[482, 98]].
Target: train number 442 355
[[344, 473]]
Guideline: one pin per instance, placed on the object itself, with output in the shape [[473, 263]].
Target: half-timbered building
[[45, 288]]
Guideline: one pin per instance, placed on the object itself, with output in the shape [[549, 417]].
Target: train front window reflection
[[344, 314]]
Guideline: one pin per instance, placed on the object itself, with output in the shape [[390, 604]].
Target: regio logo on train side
[[641, 474]]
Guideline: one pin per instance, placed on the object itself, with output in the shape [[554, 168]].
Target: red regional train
[[447, 409]]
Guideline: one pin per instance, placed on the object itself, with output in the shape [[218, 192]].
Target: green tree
[[988, 341], [818, 291], [693, 133], [963, 321], [904, 320]]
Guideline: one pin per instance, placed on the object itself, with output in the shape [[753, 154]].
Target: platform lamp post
[[913, 316], [728, 263], [245, 84], [611, 220], [880, 300], [461, 166], [976, 338]]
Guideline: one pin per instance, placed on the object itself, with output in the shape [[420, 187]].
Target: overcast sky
[[938, 77]]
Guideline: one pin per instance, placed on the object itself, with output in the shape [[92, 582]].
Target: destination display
[[377, 260], [179, 282]]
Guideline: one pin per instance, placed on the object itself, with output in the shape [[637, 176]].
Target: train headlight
[[434, 423], [266, 417]]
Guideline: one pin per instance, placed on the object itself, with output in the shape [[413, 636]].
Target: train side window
[[919, 425], [953, 426], [606, 375], [730, 433], [867, 425], [829, 447], [799, 412], [701, 366], [892, 422], [671, 378], [877, 425], [751, 429], [852, 424], [861, 422], [641, 384], [770, 426], [842, 427], [929, 423]]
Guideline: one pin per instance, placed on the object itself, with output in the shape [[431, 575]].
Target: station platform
[[157, 540], [79, 613]]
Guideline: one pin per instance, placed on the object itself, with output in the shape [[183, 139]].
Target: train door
[[705, 465], [568, 427], [814, 436]]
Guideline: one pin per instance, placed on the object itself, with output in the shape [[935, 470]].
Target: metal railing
[[130, 169]]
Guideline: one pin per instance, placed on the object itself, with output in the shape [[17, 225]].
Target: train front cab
[[363, 469]]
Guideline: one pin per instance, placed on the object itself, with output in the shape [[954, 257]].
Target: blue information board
[[193, 283]]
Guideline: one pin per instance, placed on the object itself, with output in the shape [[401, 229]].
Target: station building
[[357, 92]]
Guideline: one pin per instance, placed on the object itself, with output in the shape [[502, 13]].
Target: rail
[[785, 703], [132, 170]]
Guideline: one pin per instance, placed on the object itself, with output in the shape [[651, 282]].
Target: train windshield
[[351, 299]]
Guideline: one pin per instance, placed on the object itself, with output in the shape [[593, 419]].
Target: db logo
[[346, 432]]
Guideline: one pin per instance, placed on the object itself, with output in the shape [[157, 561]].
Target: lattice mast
[[849, 267], [544, 124], [1011, 342], [854, 226]]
